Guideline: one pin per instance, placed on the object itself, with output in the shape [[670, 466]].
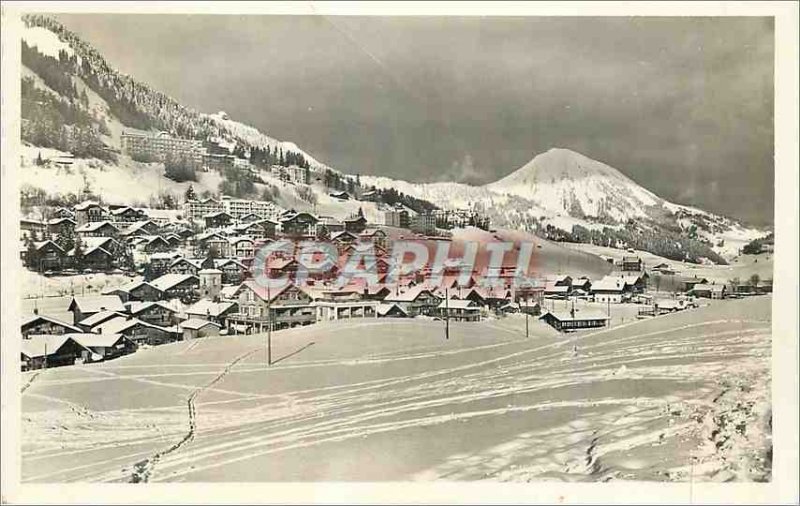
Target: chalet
[[154, 244], [376, 236], [233, 271], [370, 196], [460, 310], [49, 255], [90, 322], [532, 308], [632, 263], [256, 229], [88, 212], [126, 214], [96, 258], [212, 311], [217, 219], [343, 239], [107, 243], [219, 244], [160, 262], [240, 247], [62, 212], [634, 283], [342, 195], [685, 284], [568, 321], [155, 313], [329, 225], [97, 229], [134, 329], [44, 351], [562, 281], [145, 227], [610, 289], [84, 306], [174, 240], [286, 307], [185, 266], [356, 224], [708, 291], [58, 226], [194, 328], [105, 346], [584, 284], [416, 301], [474, 295], [495, 296], [299, 224], [664, 306], [181, 286], [554, 291], [249, 218], [391, 310], [136, 291], [41, 324]]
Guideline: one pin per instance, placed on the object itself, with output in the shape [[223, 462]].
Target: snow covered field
[[678, 397]]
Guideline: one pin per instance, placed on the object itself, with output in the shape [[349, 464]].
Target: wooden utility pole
[[526, 320], [446, 314], [269, 327]]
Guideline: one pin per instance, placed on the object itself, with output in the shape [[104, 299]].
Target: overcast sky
[[681, 105]]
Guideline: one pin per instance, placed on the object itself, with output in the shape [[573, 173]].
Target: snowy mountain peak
[[568, 183], [558, 164]]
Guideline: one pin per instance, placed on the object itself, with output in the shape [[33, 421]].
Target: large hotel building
[[162, 144]]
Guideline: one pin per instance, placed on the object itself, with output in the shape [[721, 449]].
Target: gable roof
[[42, 244], [120, 324], [268, 295], [91, 340], [579, 315], [95, 225], [36, 318], [210, 308], [96, 303], [384, 309], [98, 318], [136, 307], [39, 345], [609, 284], [168, 281], [197, 324]]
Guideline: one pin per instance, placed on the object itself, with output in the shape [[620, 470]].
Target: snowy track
[[679, 397]]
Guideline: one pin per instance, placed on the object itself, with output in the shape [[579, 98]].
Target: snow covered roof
[[458, 304], [168, 281], [702, 287], [43, 318], [95, 225], [90, 340], [578, 316], [120, 324], [609, 284], [206, 307], [40, 345], [98, 318], [137, 307], [96, 303], [384, 309], [197, 324]]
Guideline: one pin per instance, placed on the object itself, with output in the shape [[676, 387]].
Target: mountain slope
[[559, 194], [566, 182]]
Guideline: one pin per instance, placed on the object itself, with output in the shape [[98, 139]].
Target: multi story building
[[197, 209], [161, 146], [424, 223], [239, 208]]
